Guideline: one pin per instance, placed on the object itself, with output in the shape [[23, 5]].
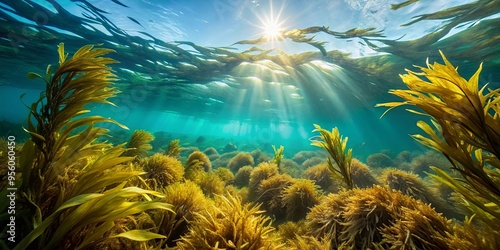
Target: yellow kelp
[[465, 128]]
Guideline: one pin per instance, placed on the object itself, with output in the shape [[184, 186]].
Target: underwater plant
[[230, 225], [225, 175], [302, 156], [309, 243], [466, 130], [379, 160], [411, 185], [260, 173], [186, 151], [278, 155], [470, 236], [360, 218], [362, 176], [122, 225], [240, 160], [186, 199], [212, 153], [138, 145], [418, 228], [407, 183], [197, 163], [269, 195], [259, 156], [336, 146], [421, 164], [69, 193], [174, 149], [298, 198], [311, 162], [322, 176], [224, 159], [210, 184], [242, 177], [290, 167], [161, 170]]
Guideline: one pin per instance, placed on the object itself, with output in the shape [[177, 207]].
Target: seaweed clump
[[240, 160], [298, 198], [230, 225], [260, 173], [411, 185], [242, 177], [139, 144], [173, 149], [322, 177], [161, 170], [361, 174], [187, 200], [361, 218], [197, 163], [269, 194]]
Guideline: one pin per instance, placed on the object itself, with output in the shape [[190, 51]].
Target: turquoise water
[[202, 68], [222, 84]]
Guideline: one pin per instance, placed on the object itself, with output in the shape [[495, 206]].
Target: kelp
[[278, 155], [336, 146], [229, 224], [174, 149], [70, 193], [139, 144], [465, 129]]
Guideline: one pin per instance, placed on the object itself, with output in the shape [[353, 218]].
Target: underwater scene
[[250, 124]]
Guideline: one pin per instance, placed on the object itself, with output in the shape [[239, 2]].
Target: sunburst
[[272, 27]]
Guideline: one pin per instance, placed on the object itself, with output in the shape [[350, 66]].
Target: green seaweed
[[336, 146], [278, 155]]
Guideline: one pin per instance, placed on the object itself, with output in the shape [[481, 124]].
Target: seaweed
[[68, 197], [240, 160], [230, 225], [161, 170], [465, 129], [361, 218], [197, 163], [299, 197], [336, 146], [278, 155], [174, 149], [139, 144]]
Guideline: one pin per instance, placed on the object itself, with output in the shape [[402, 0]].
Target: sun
[[273, 30], [271, 25]]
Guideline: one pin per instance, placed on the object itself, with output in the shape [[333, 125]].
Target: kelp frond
[[465, 128], [174, 149], [278, 155], [139, 144], [95, 213], [336, 146]]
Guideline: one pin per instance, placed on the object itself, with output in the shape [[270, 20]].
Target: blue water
[[181, 89]]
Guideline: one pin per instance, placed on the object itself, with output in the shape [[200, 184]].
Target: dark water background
[[182, 73]]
